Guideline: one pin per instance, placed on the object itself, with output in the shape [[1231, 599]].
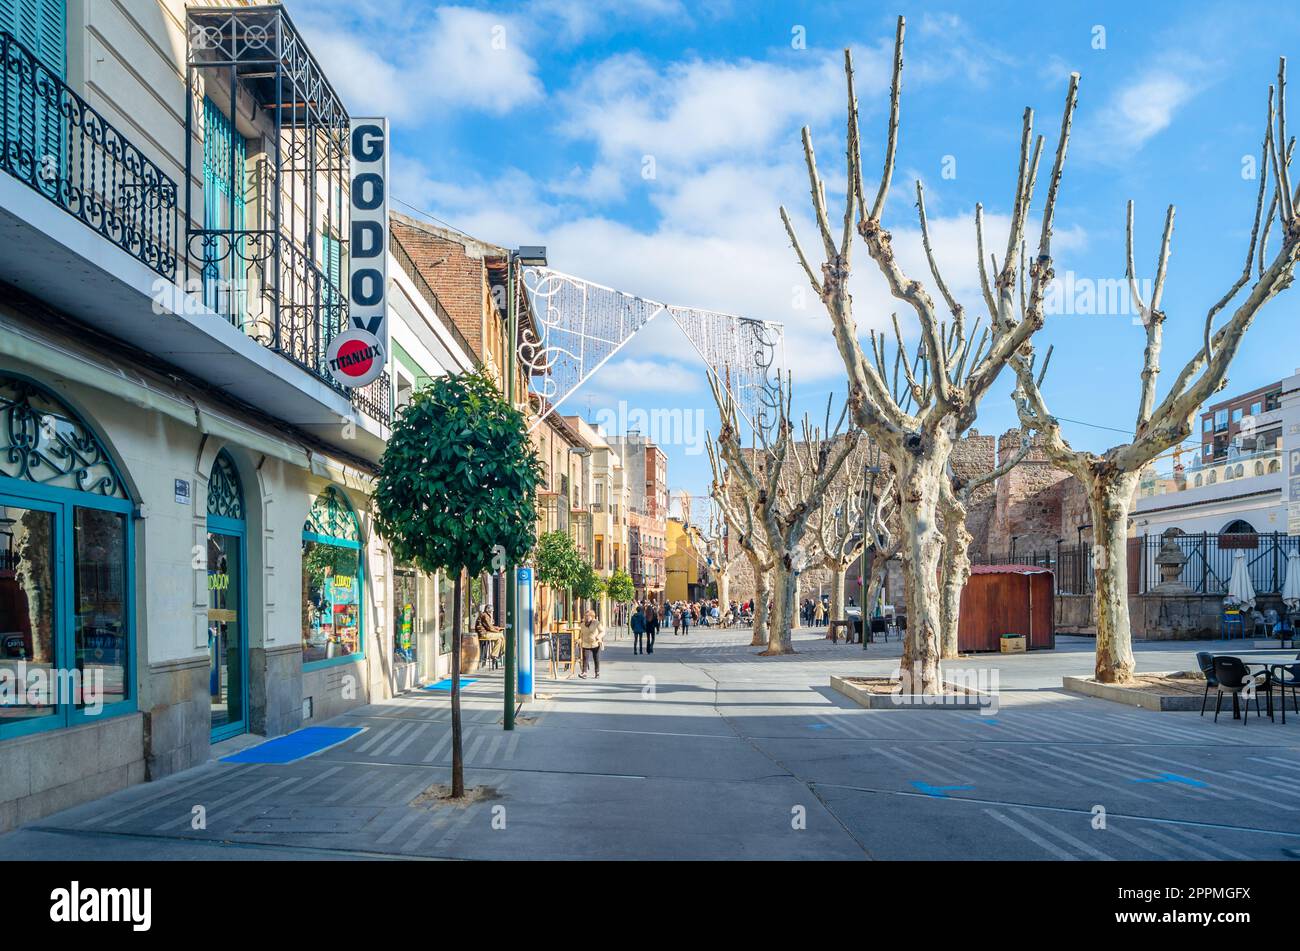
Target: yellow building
[[684, 563]]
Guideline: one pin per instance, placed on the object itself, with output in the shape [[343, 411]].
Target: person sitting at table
[[487, 631]]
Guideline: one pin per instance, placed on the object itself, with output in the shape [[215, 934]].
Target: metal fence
[[1209, 562]]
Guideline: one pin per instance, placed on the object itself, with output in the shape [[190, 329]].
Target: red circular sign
[[355, 358]]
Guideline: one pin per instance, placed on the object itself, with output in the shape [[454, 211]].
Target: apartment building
[[185, 534], [647, 469]]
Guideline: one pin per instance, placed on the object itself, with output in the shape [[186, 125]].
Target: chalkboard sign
[[564, 647]]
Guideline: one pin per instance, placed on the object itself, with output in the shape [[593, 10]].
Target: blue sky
[[532, 123]]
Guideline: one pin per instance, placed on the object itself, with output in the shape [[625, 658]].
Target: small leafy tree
[[590, 585], [620, 589], [559, 567], [456, 494]]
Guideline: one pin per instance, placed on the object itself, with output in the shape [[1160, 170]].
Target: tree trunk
[[1109, 498], [956, 572], [724, 591], [457, 763], [922, 551], [838, 573], [785, 593], [762, 594]]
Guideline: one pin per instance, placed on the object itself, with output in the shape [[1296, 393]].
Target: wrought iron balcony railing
[[56, 144]]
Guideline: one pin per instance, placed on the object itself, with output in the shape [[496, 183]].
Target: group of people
[[815, 612]]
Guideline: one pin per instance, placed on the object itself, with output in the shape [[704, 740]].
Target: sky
[[650, 143]]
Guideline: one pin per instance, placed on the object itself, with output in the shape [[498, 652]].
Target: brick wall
[[454, 267]]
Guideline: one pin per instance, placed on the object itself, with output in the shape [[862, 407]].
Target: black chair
[[1205, 661], [1235, 678], [879, 625], [900, 626], [1287, 677]]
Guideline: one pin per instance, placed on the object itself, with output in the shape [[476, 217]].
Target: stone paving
[[705, 751]]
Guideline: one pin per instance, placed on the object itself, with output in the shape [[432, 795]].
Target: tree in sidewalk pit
[[456, 493], [917, 422], [620, 589], [956, 493], [559, 567], [1111, 477], [853, 514], [737, 508], [786, 479]]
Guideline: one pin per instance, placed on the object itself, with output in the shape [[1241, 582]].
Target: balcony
[[68, 154], [1229, 476], [117, 257], [268, 247]]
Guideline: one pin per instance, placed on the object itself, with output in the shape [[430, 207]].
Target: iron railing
[[1208, 568], [56, 144]]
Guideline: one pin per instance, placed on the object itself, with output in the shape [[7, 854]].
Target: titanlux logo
[[76, 904]]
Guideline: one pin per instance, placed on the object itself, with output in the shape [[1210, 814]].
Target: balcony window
[[1220, 420], [225, 212]]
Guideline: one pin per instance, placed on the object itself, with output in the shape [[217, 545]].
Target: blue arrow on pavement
[[1172, 778], [939, 792]]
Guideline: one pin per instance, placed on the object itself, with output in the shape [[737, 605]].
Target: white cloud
[[456, 59], [1142, 110]]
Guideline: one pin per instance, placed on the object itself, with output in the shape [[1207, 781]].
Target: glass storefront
[[332, 573], [227, 627], [66, 538]]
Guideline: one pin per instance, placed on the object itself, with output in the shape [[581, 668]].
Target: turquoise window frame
[[63, 503], [236, 528], [359, 547]]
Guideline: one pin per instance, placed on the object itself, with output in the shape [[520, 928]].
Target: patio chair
[[1234, 677], [900, 626], [1205, 660], [879, 625], [1233, 621], [1287, 677]]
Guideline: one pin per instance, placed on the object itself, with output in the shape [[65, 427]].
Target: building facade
[[187, 547]]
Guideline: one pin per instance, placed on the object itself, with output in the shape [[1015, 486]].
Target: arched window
[[1238, 527], [332, 572], [66, 543], [227, 604], [1259, 468], [1274, 466], [1239, 471], [1198, 480], [1212, 478]]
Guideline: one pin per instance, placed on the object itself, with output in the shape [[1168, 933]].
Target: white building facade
[[186, 546]]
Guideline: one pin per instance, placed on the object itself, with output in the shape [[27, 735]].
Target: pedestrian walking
[[591, 635], [638, 628], [686, 620], [677, 619], [819, 614], [651, 627]]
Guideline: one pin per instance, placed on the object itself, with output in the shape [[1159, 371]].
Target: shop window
[[406, 602], [333, 570], [66, 537]]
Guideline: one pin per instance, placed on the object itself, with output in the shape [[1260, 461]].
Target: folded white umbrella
[[1240, 590], [1291, 587]]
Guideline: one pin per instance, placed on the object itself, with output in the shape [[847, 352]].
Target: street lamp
[[535, 256]]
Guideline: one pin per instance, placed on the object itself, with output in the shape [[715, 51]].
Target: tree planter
[[1138, 697], [955, 697]]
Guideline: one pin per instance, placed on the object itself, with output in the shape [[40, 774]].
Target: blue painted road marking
[[939, 792], [1172, 778], [295, 746]]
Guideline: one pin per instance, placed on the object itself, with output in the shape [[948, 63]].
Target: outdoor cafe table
[[1274, 651]]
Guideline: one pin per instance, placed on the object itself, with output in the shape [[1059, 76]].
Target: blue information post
[[524, 633]]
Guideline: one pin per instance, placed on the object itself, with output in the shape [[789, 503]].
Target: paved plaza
[[705, 751]]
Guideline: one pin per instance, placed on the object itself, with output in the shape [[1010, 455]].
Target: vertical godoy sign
[[358, 355]]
